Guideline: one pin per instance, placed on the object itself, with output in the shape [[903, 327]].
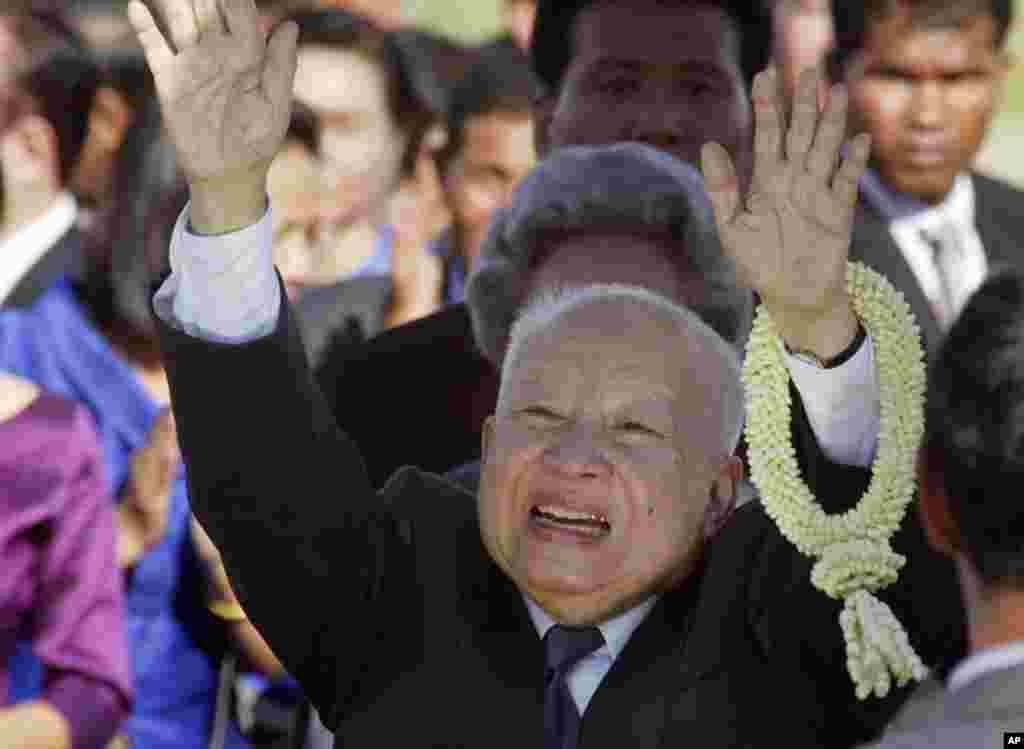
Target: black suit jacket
[[63, 259], [403, 632], [999, 218], [342, 316], [416, 395]]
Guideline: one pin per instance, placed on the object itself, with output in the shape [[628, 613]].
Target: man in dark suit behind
[[609, 72], [972, 462], [47, 83], [412, 617], [925, 78]]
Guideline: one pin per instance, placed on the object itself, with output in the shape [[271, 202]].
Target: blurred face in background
[[108, 122], [927, 95], [519, 17], [362, 146], [664, 74], [803, 34], [294, 188], [497, 153]]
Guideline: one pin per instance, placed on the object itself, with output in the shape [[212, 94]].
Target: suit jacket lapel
[[993, 217], [500, 642], [874, 245], [658, 663], [63, 259]]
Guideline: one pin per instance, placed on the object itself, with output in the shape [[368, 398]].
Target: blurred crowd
[[118, 625]]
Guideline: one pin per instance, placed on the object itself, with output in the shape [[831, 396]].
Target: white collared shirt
[[27, 245], [224, 289], [587, 675], [957, 210], [986, 662]]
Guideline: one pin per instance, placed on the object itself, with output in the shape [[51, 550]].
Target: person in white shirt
[[47, 84], [925, 79], [971, 465]]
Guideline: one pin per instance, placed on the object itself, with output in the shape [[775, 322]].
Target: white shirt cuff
[[222, 289], [842, 404]]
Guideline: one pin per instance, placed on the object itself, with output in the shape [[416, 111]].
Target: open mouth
[[563, 519]]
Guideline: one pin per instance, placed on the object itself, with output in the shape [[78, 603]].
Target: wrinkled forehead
[[604, 339]]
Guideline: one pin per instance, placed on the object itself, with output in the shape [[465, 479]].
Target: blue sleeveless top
[[175, 643]]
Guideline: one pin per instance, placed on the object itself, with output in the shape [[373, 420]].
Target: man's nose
[[579, 453], [662, 122], [927, 110]]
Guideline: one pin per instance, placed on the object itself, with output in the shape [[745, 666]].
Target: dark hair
[[304, 127], [55, 76], [341, 30], [852, 20], [125, 70], [501, 81], [436, 63], [149, 193], [551, 49], [975, 423]]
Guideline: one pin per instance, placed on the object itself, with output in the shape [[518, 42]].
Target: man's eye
[[636, 428], [537, 413]]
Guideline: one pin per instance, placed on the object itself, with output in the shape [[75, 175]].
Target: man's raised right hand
[[226, 96]]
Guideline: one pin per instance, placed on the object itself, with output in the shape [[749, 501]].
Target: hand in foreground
[[790, 237], [226, 94], [146, 497]]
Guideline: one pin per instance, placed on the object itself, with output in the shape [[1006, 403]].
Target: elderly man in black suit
[[608, 460], [971, 462], [925, 79], [47, 83]]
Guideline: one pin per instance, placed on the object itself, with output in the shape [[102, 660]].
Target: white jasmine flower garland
[[853, 552]]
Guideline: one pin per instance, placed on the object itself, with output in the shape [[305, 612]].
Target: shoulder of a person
[[16, 394], [991, 185], [440, 329], [413, 493]]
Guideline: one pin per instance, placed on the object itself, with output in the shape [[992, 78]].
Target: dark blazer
[[403, 632], [999, 218], [63, 259], [978, 715], [344, 315], [416, 395]]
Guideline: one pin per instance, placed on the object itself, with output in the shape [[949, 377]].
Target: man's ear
[[109, 119], [32, 156], [487, 439], [724, 492], [939, 525], [1005, 63], [543, 117]]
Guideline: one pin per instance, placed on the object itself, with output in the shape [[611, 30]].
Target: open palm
[[790, 236], [225, 91]]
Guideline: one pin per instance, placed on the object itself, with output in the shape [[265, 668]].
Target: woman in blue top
[[94, 344]]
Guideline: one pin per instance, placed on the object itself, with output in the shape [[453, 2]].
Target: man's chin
[[927, 186]]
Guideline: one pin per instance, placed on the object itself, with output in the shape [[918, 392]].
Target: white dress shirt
[[985, 662], [27, 245], [586, 676], [224, 289], [910, 221]]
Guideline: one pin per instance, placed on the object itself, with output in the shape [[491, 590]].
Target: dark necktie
[[564, 647]]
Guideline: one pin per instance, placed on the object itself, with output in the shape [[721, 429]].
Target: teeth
[[564, 513]]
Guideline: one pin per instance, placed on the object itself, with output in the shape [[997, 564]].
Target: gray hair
[[551, 305], [594, 188]]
